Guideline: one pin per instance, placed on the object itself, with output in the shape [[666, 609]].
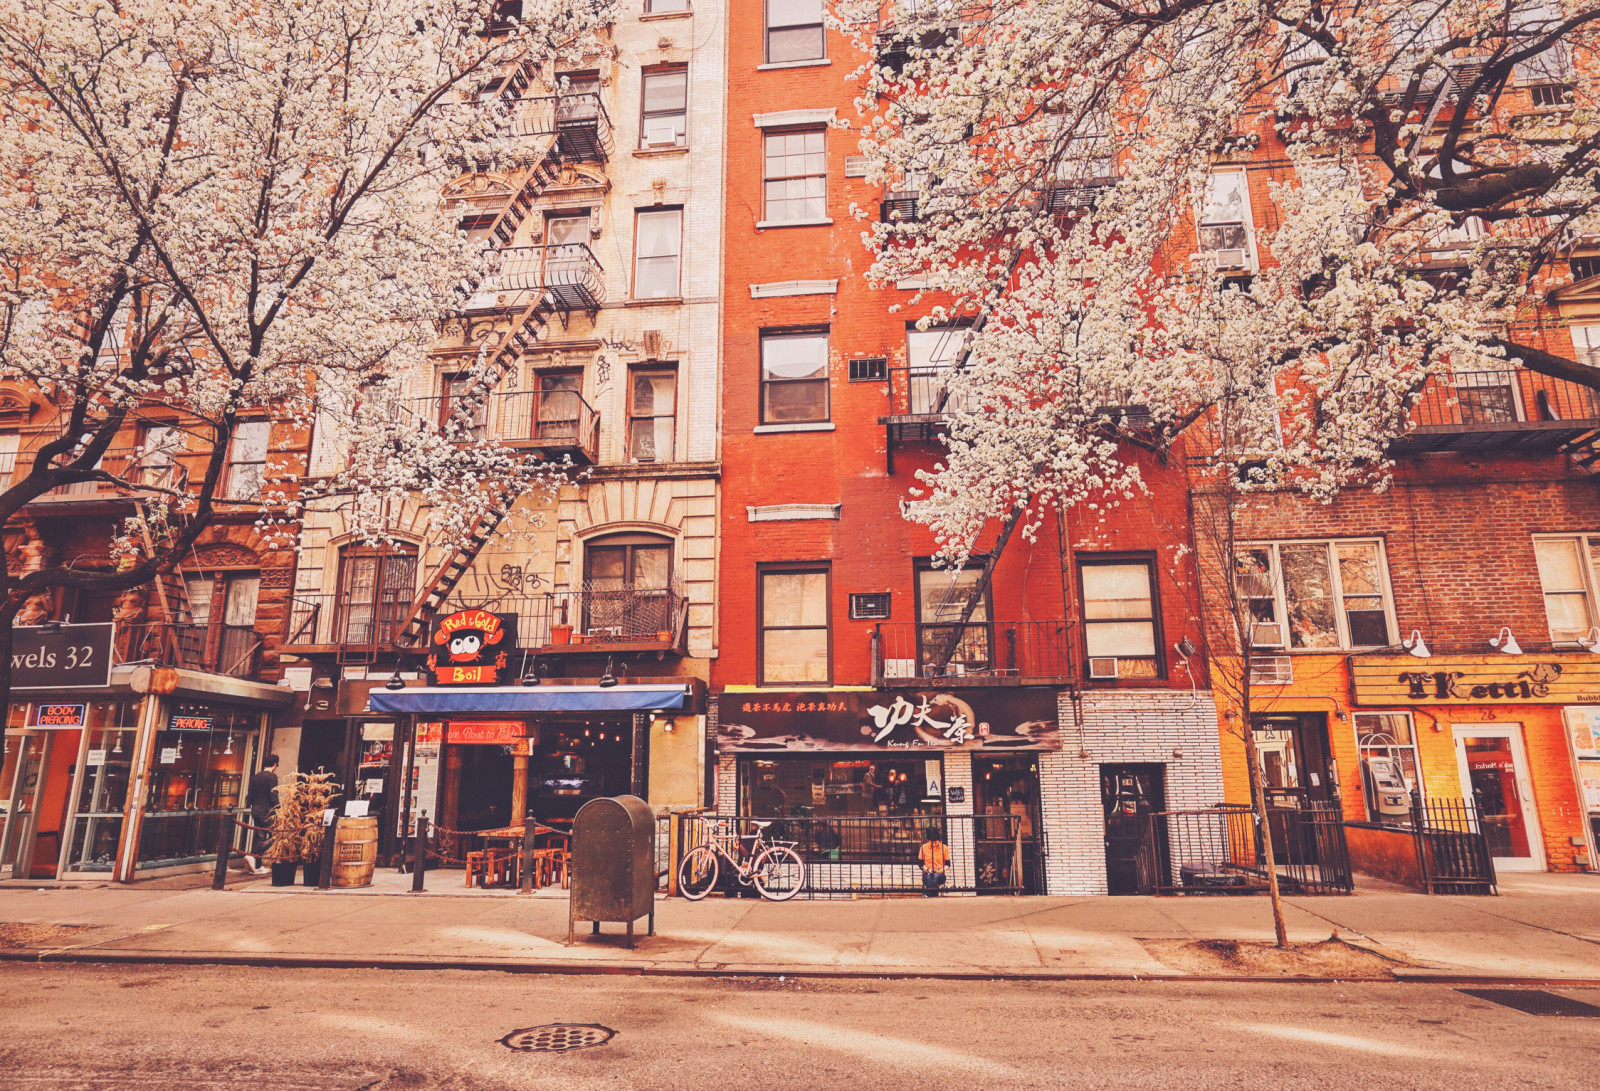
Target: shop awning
[[522, 699]]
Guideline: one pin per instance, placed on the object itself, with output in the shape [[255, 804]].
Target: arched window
[[376, 586], [628, 588]]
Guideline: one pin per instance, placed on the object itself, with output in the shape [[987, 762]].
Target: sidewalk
[[1542, 927]]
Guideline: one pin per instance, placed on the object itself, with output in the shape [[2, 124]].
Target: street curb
[[623, 969]]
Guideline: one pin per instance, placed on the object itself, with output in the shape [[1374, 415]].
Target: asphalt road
[[188, 1029]]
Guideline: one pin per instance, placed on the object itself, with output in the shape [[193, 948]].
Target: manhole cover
[[1536, 1002], [557, 1037]]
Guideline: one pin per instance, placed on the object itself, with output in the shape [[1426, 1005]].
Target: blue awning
[[524, 699]]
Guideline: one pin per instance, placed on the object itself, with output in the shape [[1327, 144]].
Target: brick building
[[832, 401]]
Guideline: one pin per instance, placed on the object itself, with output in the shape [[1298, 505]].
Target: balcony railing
[[368, 620], [557, 422], [578, 120], [1511, 408], [222, 649], [599, 619], [133, 469], [924, 392], [568, 273], [986, 653]]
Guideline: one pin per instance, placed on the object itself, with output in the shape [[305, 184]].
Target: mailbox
[[613, 864]]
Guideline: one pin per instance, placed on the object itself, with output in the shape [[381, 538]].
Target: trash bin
[[613, 864]]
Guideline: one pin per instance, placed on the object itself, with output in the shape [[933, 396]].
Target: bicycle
[[775, 869]]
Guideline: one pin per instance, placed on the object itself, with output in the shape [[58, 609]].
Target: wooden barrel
[[355, 851]]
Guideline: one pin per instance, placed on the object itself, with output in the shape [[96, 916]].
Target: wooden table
[[513, 836]]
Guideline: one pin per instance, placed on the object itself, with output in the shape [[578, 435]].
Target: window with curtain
[[794, 31], [375, 591], [558, 395], [652, 411], [794, 377], [657, 240], [793, 631], [1119, 615], [247, 460], [627, 588]]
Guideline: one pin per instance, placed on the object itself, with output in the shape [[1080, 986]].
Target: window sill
[[823, 221], [807, 426], [665, 300], [652, 153], [772, 66], [658, 16]]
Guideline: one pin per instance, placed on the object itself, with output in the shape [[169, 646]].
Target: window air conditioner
[[1102, 668], [1229, 259], [660, 136], [899, 668], [1272, 670], [1266, 634]]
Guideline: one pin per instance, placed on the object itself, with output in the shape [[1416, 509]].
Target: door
[[1296, 769], [1136, 846], [1005, 805], [556, 416], [1494, 776], [37, 808], [628, 597], [566, 250], [25, 766], [375, 589]]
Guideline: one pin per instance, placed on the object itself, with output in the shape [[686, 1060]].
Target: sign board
[[169, 755], [956, 793], [1396, 681], [182, 722], [1020, 718], [60, 715], [486, 731], [61, 656], [95, 757], [471, 648]]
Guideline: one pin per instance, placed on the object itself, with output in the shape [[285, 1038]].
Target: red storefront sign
[[60, 715], [487, 732]]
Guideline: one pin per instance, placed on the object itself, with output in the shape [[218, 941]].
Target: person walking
[[935, 858], [260, 798]]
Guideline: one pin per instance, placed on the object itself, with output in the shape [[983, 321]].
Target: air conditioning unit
[[1102, 668], [1229, 259], [855, 166], [1266, 634], [660, 136], [899, 668], [1272, 670]]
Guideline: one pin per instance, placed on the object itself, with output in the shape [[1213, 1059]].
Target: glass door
[[26, 754], [101, 790], [1494, 776]]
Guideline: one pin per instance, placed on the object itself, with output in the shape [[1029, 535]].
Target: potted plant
[[663, 636], [561, 634], [297, 829]]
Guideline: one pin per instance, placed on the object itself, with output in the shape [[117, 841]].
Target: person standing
[[260, 798], [935, 859]]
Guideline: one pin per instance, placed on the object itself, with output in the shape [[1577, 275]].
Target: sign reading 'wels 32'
[[1392, 680]]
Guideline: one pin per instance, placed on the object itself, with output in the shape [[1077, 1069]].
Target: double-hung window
[[652, 409], [658, 237], [945, 643], [795, 176], [664, 108], [931, 357], [794, 31], [1224, 227], [247, 460], [793, 634], [794, 377], [1569, 572], [1308, 596], [1120, 617]]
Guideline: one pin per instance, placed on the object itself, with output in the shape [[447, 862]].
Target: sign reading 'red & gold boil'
[[1390, 680]]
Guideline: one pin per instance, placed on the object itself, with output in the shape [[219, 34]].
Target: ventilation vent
[[1102, 668], [855, 166], [869, 606], [1272, 670], [868, 369]]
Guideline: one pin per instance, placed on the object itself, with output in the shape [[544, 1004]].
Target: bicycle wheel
[[697, 875], [779, 873]]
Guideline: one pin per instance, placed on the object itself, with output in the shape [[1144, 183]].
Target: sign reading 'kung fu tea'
[[1009, 719], [471, 648], [1399, 680]]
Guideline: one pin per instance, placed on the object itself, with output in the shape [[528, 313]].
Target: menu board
[[1583, 731]]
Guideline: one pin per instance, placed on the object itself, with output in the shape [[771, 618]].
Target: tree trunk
[[1258, 800]]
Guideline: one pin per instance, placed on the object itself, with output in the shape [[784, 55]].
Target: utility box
[[613, 865]]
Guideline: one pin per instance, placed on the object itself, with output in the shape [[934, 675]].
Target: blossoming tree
[[214, 209]]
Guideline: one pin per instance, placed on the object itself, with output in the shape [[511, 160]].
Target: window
[[1088, 152], [794, 31], [1225, 219], [230, 596], [10, 443], [476, 225], [794, 378], [247, 460], [157, 455], [375, 590], [931, 355], [657, 236], [558, 404], [1586, 342], [866, 784], [869, 606], [663, 108], [1568, 567], [1582, 269], [627, 594], [1315, 595], [1119, 614], [652, 411], [869, 369], [793, 635], [567, 260], [1389, 735], [941, 601], [474, 410], [796, 175], [654, 6]]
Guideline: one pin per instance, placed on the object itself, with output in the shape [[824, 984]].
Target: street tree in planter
[[297, 829], [217, 211]]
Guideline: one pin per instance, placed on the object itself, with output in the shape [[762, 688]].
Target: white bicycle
[[775, 869]]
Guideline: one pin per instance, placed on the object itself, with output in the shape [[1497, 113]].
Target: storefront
[[129, 779], [862, 777]]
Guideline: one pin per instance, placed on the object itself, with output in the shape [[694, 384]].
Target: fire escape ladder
[[958, 627], [171, 592], [444, 579]]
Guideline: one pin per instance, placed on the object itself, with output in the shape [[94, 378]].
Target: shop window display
[[845, 793], [103, 786], [198, 768]]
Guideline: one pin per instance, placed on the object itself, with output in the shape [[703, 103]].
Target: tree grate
[[557, 1037], [1536, 1002]]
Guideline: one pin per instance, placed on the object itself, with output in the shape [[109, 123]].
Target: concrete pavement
[[1542, 927]]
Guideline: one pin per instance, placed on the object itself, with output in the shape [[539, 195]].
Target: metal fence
[[877, 855], [1221, 850], [911, 651], [1452, 848], [1466, 398], [225, 649]]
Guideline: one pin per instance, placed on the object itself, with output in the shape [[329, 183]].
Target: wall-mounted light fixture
[[1504, 642]]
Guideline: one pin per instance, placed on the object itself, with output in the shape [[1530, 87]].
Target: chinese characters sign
[[1010, 719], [470, 648]]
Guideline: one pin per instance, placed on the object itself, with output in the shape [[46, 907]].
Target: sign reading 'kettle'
[[1399, 680], [471, 648]]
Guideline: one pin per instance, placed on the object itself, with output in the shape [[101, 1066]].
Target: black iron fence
[[371, 617], [926, 391], [983, 651], [1472, 398], [1452, 847], [1221, 850], [877, 855]]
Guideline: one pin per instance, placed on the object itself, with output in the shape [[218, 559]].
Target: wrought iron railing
[[1222, 850], [568, 273], [1468, 399], [603, 616], [925, 391], [133, 469], [911, 652], [556, 419], [365, 619], [223, 649]]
